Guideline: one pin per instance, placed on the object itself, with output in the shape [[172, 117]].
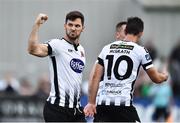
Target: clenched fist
[[41, 18]]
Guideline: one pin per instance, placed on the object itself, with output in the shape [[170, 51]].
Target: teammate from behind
[[119, 63]]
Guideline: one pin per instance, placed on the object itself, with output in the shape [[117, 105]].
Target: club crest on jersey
[[77, 65], [148, 57]]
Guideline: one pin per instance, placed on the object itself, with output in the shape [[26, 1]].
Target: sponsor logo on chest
[[77, 65]]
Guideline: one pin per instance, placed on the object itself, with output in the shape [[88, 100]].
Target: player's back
[[122, 60]]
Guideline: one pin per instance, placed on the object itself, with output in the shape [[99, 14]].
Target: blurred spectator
[[84, 93], [174, 68], [25, 87], [162, 97], [85, 87], [43, 87], [9, 85]]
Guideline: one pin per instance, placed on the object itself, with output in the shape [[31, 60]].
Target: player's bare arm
[[34, 47], [95, 78], [156, 76]]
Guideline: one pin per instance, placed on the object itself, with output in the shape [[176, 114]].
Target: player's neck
[[131, 38], [76, 42]]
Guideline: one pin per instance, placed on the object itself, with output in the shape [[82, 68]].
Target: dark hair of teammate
[[134, 26]]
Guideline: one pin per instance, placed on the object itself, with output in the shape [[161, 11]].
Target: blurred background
[[24, 82]]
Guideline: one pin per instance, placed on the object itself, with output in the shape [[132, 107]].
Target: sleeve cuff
[[49, 50], [148, 65], [100, 61]]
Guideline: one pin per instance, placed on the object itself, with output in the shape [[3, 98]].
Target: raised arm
[[93, 87], [34, 47], [156, 76]]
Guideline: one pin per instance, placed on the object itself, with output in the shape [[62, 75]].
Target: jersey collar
[[75, 45]]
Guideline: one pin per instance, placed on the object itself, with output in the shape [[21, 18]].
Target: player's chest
[[70, 53]]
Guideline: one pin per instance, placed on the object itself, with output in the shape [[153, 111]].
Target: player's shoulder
[[106, 46], [81, 47], [58, 39], [142, 48], [142, 51], [53, 40], [112, 43], [139, 47]]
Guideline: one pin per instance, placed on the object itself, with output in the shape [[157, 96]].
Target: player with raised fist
[[67, 61]]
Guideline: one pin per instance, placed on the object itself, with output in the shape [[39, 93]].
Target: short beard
[[72, 38]]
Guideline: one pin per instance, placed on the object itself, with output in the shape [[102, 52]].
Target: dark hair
[[134, 26], [120, 24], [74, 15]]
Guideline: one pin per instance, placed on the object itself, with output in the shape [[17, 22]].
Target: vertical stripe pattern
[[55, 80]]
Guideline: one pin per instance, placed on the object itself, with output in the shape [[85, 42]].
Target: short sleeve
[[52, 46], [100, 59], [146, 59]]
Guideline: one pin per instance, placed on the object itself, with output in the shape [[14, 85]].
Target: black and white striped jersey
[[66, 63], [121, 61]]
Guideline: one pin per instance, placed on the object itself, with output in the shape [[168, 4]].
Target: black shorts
[[161, 112], [116, 114], [55, 113]]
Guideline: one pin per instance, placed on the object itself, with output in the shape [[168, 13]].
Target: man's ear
[[141, 33], [83, 29], [65, 26]]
